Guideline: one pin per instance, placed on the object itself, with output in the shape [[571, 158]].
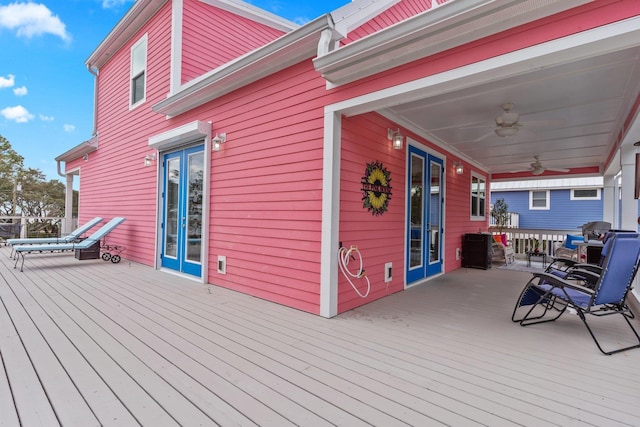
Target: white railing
[[512, 222], [524, 240], [31, 226]]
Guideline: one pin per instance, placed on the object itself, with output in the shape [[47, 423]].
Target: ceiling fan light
[[506, 131], [510, 118], [537, 171]]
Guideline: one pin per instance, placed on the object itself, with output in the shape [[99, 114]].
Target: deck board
[[127, 345]]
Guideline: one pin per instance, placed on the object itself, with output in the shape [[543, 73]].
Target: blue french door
[[182, 210], [424, 220]]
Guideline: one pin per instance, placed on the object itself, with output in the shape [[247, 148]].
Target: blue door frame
[[182, 210], [425, 200]]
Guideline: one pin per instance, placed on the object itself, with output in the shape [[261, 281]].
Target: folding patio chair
[[71, 237], [563, 267], [22, 250], [546, 296]]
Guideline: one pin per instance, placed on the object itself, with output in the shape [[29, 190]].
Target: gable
[[213, 37], [394, 14]]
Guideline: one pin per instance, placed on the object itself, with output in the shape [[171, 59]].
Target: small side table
[[537, 254]]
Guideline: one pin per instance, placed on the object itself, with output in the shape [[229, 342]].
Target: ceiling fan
[[508, 123], [538, 169]]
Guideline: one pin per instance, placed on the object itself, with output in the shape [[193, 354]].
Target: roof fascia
[[135, 18], [452, 24], [357, 12], [253, 13], [79, 150], [281, 53], [76, 152]]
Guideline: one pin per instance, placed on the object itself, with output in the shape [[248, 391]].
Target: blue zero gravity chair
[[546, 296]]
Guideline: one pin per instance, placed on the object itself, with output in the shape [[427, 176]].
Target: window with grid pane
[[478, 197], [138, 71], [585, 194], [539, 199]]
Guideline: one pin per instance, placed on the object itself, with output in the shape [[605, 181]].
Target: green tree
[[27, 192], [500, 213], [11, 164]]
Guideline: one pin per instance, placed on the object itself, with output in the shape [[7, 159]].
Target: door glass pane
[[194, 207], [416, 211], [434, 212], [173, 198]]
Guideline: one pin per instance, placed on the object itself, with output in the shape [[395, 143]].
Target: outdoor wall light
[[218, 140], [396, 138], [86, 157], [458, 167], [149, 158]]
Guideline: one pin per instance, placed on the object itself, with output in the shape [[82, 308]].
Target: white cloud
[[18, 114], [8, 81], [20, 91], [301, 20], [46, 118], [108, 4], [32, 19], [69, 128]]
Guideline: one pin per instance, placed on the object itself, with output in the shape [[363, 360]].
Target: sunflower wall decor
[[376, 188]]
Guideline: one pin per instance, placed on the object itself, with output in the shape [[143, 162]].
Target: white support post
[[330, 215], [609, 208], [67, 224], [629, 204]]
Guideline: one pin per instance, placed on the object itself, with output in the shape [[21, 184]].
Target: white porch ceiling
[[591, 98]]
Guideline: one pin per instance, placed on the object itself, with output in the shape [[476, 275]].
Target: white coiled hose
[[345, 256]]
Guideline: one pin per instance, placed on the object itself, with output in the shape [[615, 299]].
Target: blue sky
[[46, 92]]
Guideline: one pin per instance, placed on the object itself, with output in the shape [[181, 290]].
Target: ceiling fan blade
[[484, 136], [542, 123], [557, 169]]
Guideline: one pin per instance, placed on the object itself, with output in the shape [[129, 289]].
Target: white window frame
[[539, 208], [142, 43], [483, 213], [596, 197]]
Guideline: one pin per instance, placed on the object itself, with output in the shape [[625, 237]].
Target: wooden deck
[[86, 343]]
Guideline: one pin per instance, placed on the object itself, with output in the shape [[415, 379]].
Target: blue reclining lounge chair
[[565, 268], [22, 250], [546, 296], [71, 237]]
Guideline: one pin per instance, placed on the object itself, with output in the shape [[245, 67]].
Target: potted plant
[[535, 244]]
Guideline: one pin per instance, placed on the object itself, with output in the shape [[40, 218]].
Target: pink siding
[[380, 239], [458, 211], [114, 182], [212, 37], [266, 183], [266, 186]]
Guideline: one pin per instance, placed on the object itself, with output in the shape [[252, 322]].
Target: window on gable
[[138, 72], [586, 194], [539, 199], [478, 197]]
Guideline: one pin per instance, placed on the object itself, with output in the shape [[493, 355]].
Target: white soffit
[[253, 13], [548, 184], [180, 135], [452, 24]]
